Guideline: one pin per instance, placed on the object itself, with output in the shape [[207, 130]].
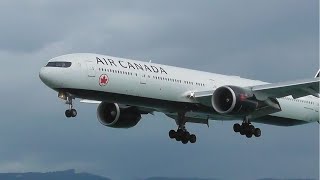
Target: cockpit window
[[59, 64]]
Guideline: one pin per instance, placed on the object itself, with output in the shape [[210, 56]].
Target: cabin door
[[91, 69], [143, 79]]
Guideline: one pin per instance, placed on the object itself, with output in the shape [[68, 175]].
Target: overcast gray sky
[[269, 40]]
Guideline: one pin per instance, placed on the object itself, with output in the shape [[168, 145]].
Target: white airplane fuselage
[[161, 88]]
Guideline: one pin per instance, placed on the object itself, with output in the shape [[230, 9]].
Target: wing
[[296, 89], [266, 94], [203, 97]]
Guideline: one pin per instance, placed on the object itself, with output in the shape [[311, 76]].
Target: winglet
[[318, 73]]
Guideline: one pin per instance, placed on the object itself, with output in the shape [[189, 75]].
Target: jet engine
[[111, 115], [234, 100]]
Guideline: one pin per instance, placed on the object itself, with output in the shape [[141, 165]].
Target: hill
[[61, 175]]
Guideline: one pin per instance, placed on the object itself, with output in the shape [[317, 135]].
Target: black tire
[[172, 134], [193, 138], [242, 131], [251, 129], [187, 136], [257, 132], [68, 113], [73, 113], [184, 141], [249, 135], [236, 127], [179, 134]]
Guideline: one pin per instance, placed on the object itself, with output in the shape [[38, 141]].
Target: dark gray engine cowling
[[111, 115], [234, 100]]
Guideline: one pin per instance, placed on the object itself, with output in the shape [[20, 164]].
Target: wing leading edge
[[296, 89]]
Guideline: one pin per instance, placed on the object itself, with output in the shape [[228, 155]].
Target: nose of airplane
[[43, 75], [47, 77]]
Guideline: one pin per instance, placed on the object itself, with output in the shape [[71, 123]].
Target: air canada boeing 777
[[127, 89]]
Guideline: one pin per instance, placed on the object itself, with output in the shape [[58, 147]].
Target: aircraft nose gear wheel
[[182, 134], [71, 112], [247, 129]]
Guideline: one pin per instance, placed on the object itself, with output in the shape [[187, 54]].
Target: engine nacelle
[[111, 115], [234, 100]]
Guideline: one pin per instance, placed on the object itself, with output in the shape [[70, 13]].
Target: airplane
[[126, 89]]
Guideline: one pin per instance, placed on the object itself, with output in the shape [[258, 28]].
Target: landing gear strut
[[182, 133], [247, 129], [71, 112]]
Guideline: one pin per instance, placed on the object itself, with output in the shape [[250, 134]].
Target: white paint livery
[[184, 94]]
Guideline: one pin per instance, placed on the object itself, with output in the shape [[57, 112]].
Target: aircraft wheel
[[184, 141], [68, 113], [249, 135], [73, 112], [172, 134], [236, 127], [186, 135], [242, 131], [179, 134], [251, 129], [257, 132], [178, 138], [193, 138]]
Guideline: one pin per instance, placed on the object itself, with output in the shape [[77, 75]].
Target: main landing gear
[[71, 112], [247, 129], [182, 133]]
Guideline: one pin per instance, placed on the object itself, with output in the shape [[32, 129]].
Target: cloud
[[267, 40]]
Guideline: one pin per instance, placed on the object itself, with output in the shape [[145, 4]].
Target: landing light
[[62, 95]]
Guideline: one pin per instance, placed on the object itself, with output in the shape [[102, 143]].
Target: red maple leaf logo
[[103, 80]]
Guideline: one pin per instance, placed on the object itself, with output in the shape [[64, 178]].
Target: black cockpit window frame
[[61, 64]]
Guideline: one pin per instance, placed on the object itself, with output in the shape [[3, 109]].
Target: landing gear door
[[91, 69]]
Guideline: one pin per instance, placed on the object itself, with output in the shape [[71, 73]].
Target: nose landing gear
[[182, 133], [71, 112]]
